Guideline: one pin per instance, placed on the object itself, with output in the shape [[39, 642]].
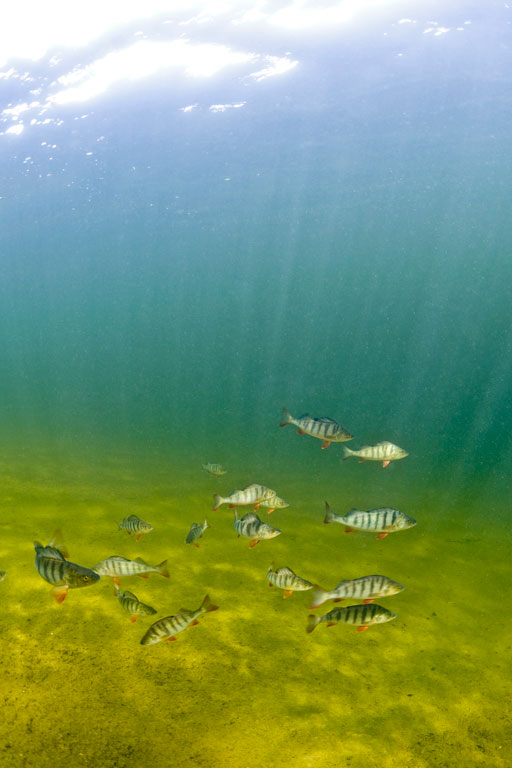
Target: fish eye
[[86, 578]]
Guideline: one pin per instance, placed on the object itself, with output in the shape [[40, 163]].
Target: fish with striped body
[[196, 532], [384, 452], [214, 469], [383, 521], [366, 588], [362, 616], [134, 524], [55, 569], [274, 503], [117, 566], [168, 627], [3, 574], [325, 429], [133, 605], [253, 528], [253, 494], [286, 579]]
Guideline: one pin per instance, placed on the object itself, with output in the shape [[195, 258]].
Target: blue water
[[340, 244]]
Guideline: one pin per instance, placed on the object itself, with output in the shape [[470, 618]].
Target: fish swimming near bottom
[[286, 579], [366, 588], [168, 627], [253, 528], [55, 569], [274, 503], [117, 566], [3, 574], [196, 532], [134, 524], [383, 521], [133, 605], [384, 452], [325, 429], [362, 616]]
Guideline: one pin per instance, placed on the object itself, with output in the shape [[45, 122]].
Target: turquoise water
[[339, 244]]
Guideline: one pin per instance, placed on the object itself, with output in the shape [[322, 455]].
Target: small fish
[[253, 494], [327, 430], [382, 521], [366, 588], [133, 605], [3, 574], [384, 452], [116, 566], [214, 469], [286, 579], [168, 627], [134, 524], [196, 532], [252, 528], [274, 503], [55, 569], [362, 616]]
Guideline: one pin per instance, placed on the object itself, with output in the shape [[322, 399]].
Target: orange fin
[[116, 581], [361, 629], [170, 639], [331, 623], [326, 444], [139, 537], [60, 593], [349, 530], [256, 506], [338, 599], [194, 623], [385, 463], [288, 592], [382, 535], [196, 544], [270, 584], [269, 512], [253, 543], [144, 575], [361, 461], [133, 619], [300, 432]]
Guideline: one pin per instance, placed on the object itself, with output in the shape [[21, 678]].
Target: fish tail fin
[[206, 524], [162, 569], [312, 622], [318, 597], [329, 516], [217, 501], [347, 453], [286, 418], [207, 605]]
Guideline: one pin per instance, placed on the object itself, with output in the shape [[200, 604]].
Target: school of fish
[[53, 565]]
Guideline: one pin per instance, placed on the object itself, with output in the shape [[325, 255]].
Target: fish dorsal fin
[[52, 553], [383, 442], [250, 516], [345, 581], [126, 593], [285, 571], [139, 560], [304, 416], [185, 612]]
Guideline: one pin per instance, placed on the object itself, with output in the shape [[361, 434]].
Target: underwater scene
[[255, 384]]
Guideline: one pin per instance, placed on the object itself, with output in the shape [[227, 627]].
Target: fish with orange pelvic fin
[[325, 429], [366, 588], [362, 616], [168, 627], [253, 494], [253, 528], [133, 605], [55, 569], [134, 524], [383, 521], [385, 452], [196, 532], [286, 579]]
